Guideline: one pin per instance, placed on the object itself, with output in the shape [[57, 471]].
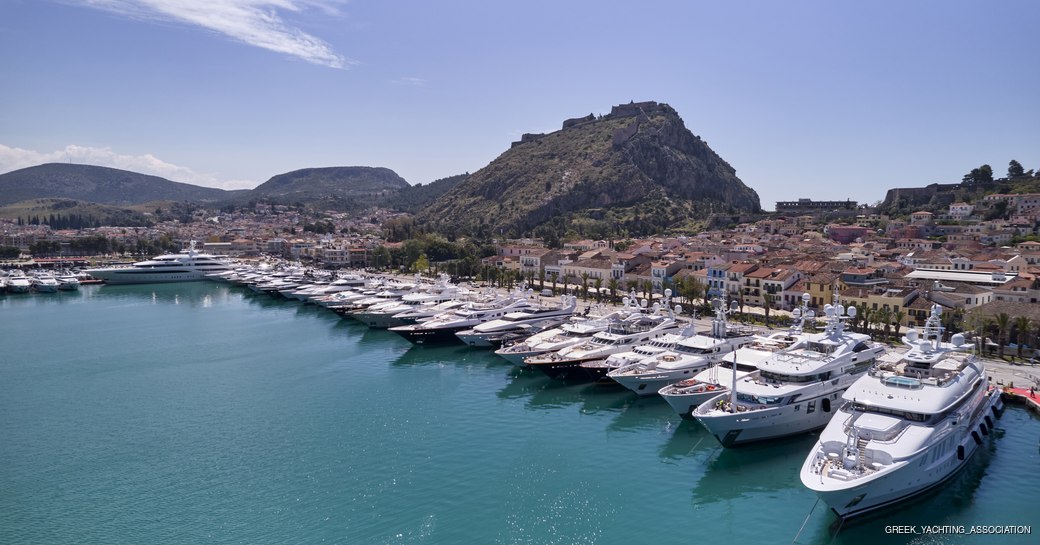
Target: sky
[[817, 99]]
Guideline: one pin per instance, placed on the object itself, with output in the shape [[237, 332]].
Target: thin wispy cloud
[[255, 22], [412, 81], [16, 158]]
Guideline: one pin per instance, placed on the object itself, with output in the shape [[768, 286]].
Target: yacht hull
[[741, 428], [914, 476]]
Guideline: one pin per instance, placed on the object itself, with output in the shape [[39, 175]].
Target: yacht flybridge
[[181, 267], [904, 427], [797, 389]]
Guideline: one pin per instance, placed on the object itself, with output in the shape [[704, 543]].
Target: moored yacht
[[181, 267], [686, 394], [68, 282], [621, 336], [688, 357], [442, 328], [44, 283], [797, 389], [905, 427], [579, 329], [537, 317], [17, 282]]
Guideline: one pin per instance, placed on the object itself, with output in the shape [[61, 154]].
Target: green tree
[[612, 285], [598, 284], [897, 319], [1022, 326], [1015, 170], [585, 286], [554, 274], [1003, 323]]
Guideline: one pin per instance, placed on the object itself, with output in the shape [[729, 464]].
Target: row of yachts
[[39, 282], [894, 423]]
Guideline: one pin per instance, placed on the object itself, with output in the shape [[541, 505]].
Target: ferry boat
[[905, 427], [797, 389], [185, 266]]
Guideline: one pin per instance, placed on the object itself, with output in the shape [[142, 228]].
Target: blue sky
[[828, 100]]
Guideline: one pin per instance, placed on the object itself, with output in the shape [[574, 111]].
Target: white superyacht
[[905, 427], [690, 355], [185, 266], [797, 389]]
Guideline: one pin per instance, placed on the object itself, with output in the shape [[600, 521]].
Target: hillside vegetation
[[635, 171]]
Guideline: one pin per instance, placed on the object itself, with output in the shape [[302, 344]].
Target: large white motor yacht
[[797, 389], [442, 328], [686, 394], [689, 356], [181, 267], [579, 329], [537, 317], [905, 427], [565, 364]]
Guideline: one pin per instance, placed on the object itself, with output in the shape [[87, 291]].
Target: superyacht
[[181, 267], [906, 426], [797, 389]]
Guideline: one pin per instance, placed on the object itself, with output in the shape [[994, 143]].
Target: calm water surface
[[204, 413]]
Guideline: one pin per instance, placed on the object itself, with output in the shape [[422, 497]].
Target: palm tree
[[897, 318], [884, 319], [612, 285], [585, 286], [541, 279], [554, 274], [598, 284], [1003, 326], [1022, 325]]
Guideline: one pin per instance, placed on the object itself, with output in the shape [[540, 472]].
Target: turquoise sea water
[[204, 413]]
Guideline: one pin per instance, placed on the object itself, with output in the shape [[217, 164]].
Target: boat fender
[[975, 436], [983, 429], [989, 421]]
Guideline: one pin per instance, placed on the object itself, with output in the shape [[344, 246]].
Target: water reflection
[[194, 294], [688, 439], [759, 467]]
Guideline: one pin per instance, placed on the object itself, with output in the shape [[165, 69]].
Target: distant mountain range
[[101, 185], [636, 170]]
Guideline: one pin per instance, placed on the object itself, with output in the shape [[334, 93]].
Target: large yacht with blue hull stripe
[[185, 266], [905, 427]]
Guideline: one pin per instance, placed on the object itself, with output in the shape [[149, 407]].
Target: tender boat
[[906, 426], [797, 389]]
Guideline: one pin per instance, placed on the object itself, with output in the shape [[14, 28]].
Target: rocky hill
[[100, 185], [634, 171], [333, 187]]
